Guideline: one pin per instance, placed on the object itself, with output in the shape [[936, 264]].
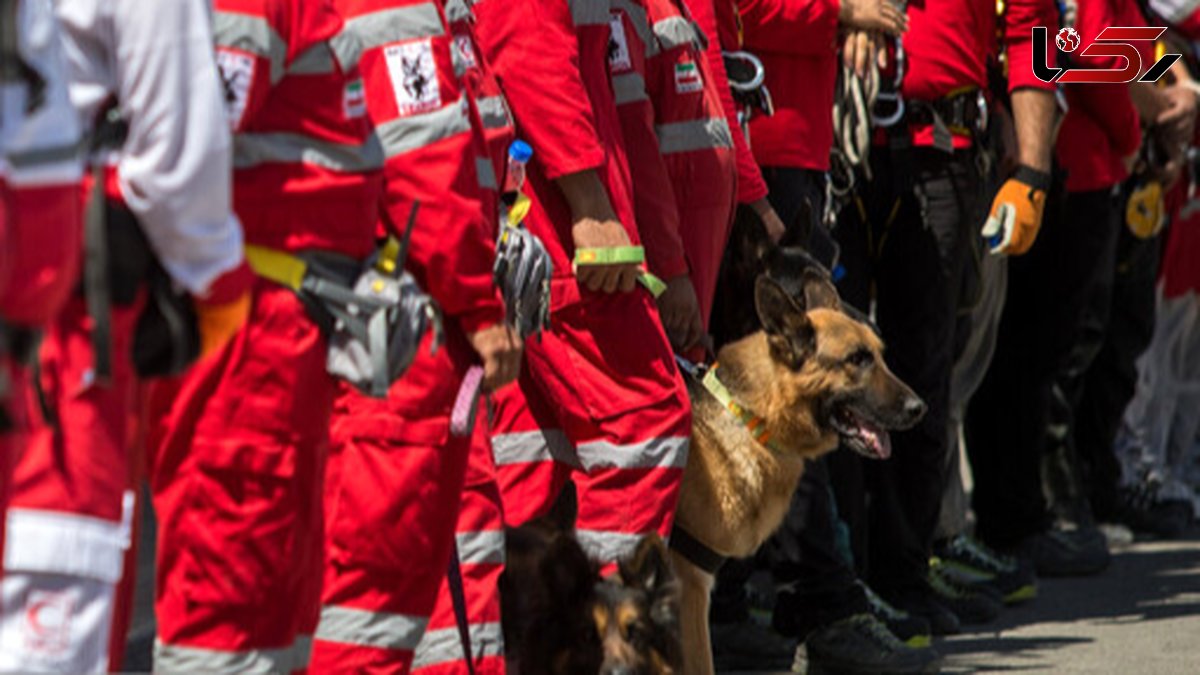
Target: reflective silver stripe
[[445, 645], [251, 150], [397, 24], [457, 10], [406, 134], [533, 446], [493, 112], [629, 87], [675, 31], [181, 659], [641, 23], [693, 135], [482, 547], [382, 630], [320, 58], [607, 546], [589, 12], [24, 159], [251, 34], [656, 453], [348, 49], [486, 174]]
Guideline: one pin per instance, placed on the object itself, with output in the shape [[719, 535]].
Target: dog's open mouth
[[860, 434]]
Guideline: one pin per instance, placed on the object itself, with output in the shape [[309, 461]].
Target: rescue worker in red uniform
[[1047, 344], [41, 216], [681, 156], [396, 469], [927, 194], [72, 500], [240, 442], [479, 530], [600, 390]]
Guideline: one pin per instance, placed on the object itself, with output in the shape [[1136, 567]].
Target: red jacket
[[718, 20], [551, 56], [1101, 127], [306, 166], [422, 116], [797, 42]]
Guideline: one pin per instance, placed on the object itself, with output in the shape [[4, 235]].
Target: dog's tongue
[[877, 439]]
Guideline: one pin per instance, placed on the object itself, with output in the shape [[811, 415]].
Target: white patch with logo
[[237, 78], [618, 46], [687, 78], [354, 100], [464, 52], [414, 75]]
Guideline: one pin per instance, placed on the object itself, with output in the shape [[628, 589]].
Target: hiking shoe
[[1149, 514], [1067, 553], [747, 645], [971, 562], [971, 604], [863, 644], [912, 630], [924, 604]]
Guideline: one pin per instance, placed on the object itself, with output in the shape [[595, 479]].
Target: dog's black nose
[[914, 410]]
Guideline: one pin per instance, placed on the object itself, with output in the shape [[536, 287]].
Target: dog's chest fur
[[735, 491]]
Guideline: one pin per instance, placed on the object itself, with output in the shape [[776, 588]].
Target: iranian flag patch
[[354, 100], [687, 78]]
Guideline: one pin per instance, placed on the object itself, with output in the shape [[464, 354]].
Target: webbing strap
[[458, 599], [282, 268], [97, 290], [695, 551], [615, 255]]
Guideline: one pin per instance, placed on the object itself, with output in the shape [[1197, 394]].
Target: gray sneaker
[[862, 644]]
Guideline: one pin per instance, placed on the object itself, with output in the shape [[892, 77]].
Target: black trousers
[[905, 245], [805, 557], [1054, 321], [1112, 378]]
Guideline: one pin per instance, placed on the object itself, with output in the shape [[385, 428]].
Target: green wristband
[[616, 255]]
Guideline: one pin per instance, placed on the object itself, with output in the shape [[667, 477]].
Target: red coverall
[[796, 40], [41, 218], [241, 440], [600, 390], [396, 473], [480, 527], [673, 122]]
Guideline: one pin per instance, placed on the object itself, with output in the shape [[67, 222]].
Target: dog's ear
[[789, 333], [649, 570], [565, 509], [819, 292], [567, 572]]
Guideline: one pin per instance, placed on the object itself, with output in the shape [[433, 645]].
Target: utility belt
[[964, 114], [373, 313]]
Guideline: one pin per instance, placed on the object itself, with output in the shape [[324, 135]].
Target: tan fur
[[735, 490]]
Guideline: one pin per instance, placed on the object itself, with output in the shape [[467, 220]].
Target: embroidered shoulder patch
[[414, 76], [618, 46], [237, 78], [354, 100]]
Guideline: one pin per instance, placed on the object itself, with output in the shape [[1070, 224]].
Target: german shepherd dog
[[815, 377], [561, 618]]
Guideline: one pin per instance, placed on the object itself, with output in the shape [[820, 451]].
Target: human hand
[[878, 15], [679, 309], [499, 349]]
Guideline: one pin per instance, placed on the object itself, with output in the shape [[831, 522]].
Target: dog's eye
[[861, 358]]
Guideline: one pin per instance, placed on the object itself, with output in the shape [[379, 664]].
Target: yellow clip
[[388, 255], [282, 268], [519, 210]]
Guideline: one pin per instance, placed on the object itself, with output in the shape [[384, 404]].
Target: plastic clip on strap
[[621, 255]]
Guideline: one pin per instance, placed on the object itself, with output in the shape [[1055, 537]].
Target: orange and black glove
[[223, 311], [1016, 215]]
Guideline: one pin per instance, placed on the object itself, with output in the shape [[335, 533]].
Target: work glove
[[223, 311], [1016, 214], [1144, 212]]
